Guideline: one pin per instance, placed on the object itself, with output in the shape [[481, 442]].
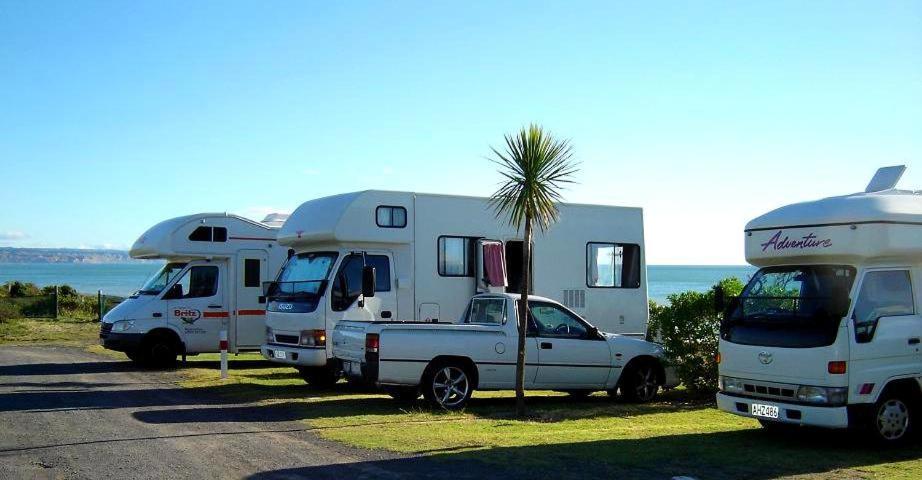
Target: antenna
[[885, 178]]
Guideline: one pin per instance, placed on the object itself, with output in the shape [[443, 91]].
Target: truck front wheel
[[448, 385], [319, 377], [893, 418], [158, 351]]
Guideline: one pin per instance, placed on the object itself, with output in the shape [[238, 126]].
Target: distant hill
[[63, 255]]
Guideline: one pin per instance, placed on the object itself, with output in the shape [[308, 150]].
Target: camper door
[[197, 306], [250, 324], [491, 267]]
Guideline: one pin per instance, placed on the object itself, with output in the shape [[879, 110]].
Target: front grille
[[290, 339], [105, 329], [769, 390]]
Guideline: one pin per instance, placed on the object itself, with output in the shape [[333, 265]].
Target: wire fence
[[54, 305]]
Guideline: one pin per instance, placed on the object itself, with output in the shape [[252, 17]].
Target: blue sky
[[115, 115]]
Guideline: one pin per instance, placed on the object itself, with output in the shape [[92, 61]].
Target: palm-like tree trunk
[[523, 322]]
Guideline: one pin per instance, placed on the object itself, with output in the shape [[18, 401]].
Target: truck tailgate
[[349, 341]]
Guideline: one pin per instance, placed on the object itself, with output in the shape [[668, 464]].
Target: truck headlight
[[730, 385], [822, 395], [122, 326], [313, 338]]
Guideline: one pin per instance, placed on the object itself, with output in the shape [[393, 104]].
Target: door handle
[[914, 341], [214, 306], [157, 315], [547, 345], [386, 314]]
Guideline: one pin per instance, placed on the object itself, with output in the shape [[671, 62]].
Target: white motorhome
[[827, 332], [431, 253], [212, 282]]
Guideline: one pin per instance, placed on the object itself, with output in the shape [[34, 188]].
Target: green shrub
[[20, 289], [689, 330], [8, 311]]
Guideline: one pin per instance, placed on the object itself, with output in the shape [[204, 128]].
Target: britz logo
[[809, 240], [188, 315]]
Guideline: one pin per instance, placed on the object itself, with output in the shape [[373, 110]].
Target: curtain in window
[[494, 264]]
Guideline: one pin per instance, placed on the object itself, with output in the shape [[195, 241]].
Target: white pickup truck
[[447, 362]]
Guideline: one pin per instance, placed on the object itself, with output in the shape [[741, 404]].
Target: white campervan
[[431, 253], [212, 282], [827, 332]]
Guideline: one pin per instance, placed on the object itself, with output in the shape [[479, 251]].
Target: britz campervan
[[827, 332], [430, 254], [212, 282]]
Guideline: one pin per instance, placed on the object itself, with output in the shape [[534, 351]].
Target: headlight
[[123, 326], [822, 395], [730, 385], [313, 338]]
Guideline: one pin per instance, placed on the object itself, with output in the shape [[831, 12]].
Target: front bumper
[[295, 356], [121, 342], [827, 417]]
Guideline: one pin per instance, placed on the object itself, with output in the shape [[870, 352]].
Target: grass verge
[[58, 332]]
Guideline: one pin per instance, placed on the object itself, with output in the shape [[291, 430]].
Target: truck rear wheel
[[448, 385], [319, 377], [893, 418]]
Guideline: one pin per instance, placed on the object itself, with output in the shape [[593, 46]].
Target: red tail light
[[372, 343], [320, 338], [837, 367], [717, 358]]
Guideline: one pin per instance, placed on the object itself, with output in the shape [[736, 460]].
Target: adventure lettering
[[807, 241]]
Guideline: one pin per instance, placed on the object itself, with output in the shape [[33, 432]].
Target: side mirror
[[262, 299], [368, 281], [174, 292], [720, 299]]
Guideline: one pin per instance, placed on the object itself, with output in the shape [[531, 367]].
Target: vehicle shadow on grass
[[115, 366], [750, 454]]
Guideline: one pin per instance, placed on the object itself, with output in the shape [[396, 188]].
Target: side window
[[198, 282], [488, 311], [612, 265], [552, 321], [391, 217], [251, 272], [201, 234], [456, 256], [884, 293], [347, 284], [219, 235]]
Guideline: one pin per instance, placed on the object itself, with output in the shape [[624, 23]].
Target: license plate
[[765, 411], [279, 354]]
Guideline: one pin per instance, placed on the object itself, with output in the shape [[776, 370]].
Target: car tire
[[639, 382], [448, 385], [893, 418], [403, 394], [160, 352], [322, 377]]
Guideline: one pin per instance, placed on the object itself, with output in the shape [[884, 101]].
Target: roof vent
[[885, 178], [275, 219]]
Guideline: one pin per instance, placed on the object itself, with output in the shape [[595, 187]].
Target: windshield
[[158, 281], [791, 306], [303, 276]]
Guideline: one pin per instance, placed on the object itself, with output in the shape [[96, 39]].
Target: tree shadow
[[751, 454]]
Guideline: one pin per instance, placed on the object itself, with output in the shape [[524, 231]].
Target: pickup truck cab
[[447, 362]]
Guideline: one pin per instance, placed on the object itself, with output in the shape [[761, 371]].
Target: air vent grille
[[574, 298]]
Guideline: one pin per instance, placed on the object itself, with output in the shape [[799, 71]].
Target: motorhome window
[[201, 234], [304, 275], [391, 217], [884, 293], [612, 265], [158, 281], [552, 321], [219, 235], [198, 282], [790, 307], [347, 285], [251, 272], [456, 256], [490, 311]]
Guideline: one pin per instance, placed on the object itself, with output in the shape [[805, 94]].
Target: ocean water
[[124, 278]]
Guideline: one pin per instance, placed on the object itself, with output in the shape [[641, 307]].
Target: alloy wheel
[[450, 386]]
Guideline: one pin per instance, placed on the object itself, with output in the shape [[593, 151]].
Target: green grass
[[58, 332], [670, 437]]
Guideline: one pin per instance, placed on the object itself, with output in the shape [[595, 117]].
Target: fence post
[[99, 304], [56, 304]]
